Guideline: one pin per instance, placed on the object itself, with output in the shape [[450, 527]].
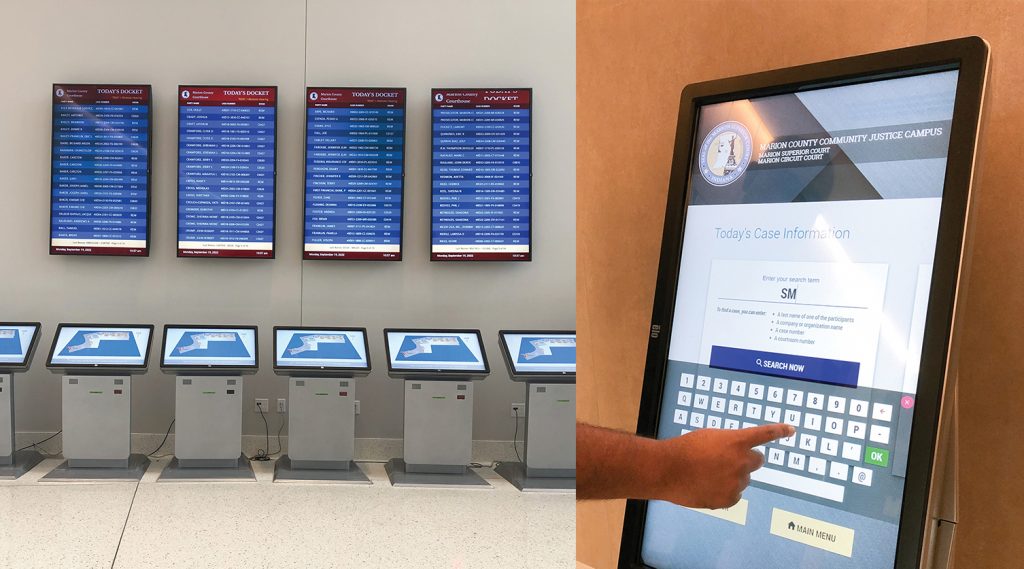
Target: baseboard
[[367, 449]]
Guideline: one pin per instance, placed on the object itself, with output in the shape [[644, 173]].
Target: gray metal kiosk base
[[398, 476], [136, 468], [13, 466], [241, 470], [515, 474], [285, 471]]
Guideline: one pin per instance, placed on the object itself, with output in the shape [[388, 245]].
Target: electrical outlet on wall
[[264, 403], [357, 406], [518, 410], [282, 405]]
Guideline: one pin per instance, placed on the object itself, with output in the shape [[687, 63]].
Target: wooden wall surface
[[633, 58]]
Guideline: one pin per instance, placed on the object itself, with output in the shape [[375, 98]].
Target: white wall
[[402, 43]]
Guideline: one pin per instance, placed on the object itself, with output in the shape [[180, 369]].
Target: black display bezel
[[970, 57], [437, 372], [551, 376], [292, 370], [26, 362], [305, 150], [177, 182], [94, 368], [149, 168], [219, 369], [430, 226]]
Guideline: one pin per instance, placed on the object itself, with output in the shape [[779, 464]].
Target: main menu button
[[809, 531]]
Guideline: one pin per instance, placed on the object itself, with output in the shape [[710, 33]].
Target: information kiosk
[[438, 367], [810, 269], [208, 362], [17, 344], [321, 364], [546, 362], [97, 362]]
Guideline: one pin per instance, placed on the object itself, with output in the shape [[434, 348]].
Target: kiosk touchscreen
[[546, 362], [438, 367], [97, 362], [322, 364], [810, 262], [17, 344], [208, 362]]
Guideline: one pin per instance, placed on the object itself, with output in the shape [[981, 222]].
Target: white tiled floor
[[263, 524]]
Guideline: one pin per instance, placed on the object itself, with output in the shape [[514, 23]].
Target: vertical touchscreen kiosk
[[97, 362], [810, 266], [17, 344], [438, 367], [208, 363], [321, 364], [546, 362]]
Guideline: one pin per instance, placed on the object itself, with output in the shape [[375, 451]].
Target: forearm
[[612, 464]]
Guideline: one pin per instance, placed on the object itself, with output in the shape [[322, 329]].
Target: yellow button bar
[[810, 531], [736, 514]]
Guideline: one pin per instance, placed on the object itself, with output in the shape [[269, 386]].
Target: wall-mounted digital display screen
[[226, 171], [88, 345], [540, 352], [480, 175], [202, 347], [99, 177], [333, 348], [435, 350], [16, 343], [355, 148]]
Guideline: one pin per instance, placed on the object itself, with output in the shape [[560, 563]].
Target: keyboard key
[[700, 401], [760, 449], [703, 382], [680, 417], [856, 430], [736, 408], [815, 400], [684, 398], [851, 451], [739, 389], [772, 414], [747, 425], [862, 476], [838, 471], [829, 446], [714, 422], [794, 398], [756, 391], [792, 417], [789, 441], [858, 408], [684, 432], [882, 412], [879, 434], [796, 461], [718, 404], [776, 456], [832, 425], [807, 442], [812, 421], [775, 394], [816, 465], [753, 410], [721, 385], [686, 380], [732, 424], [697, 420], [798, 483], [836, 404]]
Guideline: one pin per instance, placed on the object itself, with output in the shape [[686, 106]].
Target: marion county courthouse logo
[[725, 153]]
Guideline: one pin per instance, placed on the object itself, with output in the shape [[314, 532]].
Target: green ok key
[[876, 456]]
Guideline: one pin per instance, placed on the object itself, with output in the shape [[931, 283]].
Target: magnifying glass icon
[[759, 363]]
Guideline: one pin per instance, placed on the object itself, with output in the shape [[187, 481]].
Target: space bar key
[[798, 483]]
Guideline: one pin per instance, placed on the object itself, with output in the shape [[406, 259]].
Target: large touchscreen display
[[802, 291]]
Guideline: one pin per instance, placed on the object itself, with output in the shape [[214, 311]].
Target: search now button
[[821, 370]]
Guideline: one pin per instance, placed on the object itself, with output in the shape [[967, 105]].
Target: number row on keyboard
[[854, 429], [792, 397]]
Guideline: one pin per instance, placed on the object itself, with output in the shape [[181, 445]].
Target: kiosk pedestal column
[[438, 426], [12, 464], [208, 421], [322, 423], [97, 418], [551, 430]]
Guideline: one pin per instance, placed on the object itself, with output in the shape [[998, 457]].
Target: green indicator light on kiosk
[[876, 456], [209, 392], [439, 397], [95, 392], [320, 394], [563, 400]]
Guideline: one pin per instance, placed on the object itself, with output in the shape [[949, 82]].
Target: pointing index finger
[[755, 436]]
